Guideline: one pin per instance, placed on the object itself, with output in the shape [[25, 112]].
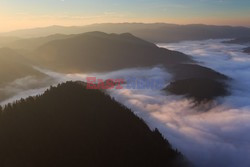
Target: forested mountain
[[71, 126], [100, 52], [156, 32]]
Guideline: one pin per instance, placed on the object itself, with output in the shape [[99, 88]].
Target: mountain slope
[[101, 52], [13, 66], [70, 125]]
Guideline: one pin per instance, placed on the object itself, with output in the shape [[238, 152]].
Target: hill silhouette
[[70, 125]]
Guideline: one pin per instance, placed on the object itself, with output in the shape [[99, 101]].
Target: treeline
[[71, 126]]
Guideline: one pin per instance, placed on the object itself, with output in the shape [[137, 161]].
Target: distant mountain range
[[70, 125], [158, 32]]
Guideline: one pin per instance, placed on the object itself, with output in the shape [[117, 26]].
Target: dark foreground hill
[[71, 126]]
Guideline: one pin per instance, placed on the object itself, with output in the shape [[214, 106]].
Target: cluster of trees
[[72, 126]]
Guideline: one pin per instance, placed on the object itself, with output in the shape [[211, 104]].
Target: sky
[[20, 14]]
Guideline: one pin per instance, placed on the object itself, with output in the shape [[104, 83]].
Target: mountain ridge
[[100, 52]]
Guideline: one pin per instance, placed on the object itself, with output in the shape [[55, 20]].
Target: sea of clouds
[[218, 136]]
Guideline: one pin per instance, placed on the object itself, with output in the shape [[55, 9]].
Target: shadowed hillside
[[70, 126]]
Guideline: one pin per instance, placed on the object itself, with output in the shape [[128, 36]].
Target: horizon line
[[57, 25]]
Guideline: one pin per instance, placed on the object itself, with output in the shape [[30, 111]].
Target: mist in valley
[[212, 134]]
